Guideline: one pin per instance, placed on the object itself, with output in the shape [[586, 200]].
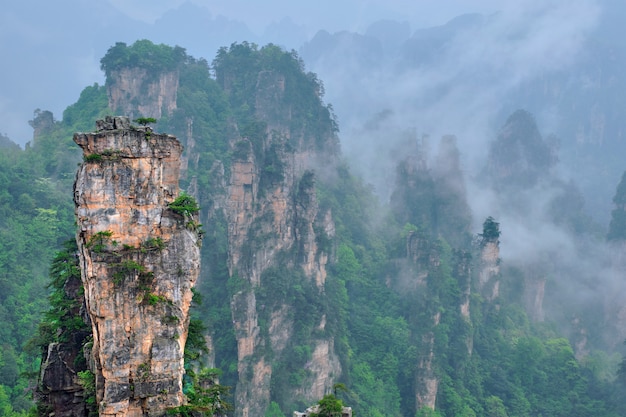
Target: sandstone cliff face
[[132, 92], [425, 267], [427, 381], [489, 269], [267, 196], [274, 223], [139, 260], [422, 258]]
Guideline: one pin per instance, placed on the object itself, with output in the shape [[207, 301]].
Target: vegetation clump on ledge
[[107, 154], [94, 157], [98, 242], [142, 54], [145, 121], [184, 205], [491, 230]]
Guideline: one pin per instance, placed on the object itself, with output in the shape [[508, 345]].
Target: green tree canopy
[[491, 230], [142, 54]]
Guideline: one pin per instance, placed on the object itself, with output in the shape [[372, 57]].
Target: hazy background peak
[[52, 49], [353, 15]]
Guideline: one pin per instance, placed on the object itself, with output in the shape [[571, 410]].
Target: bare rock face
[[427, 382], [274, 220], [139, 260], [275, 227], [489, 270], [131, 91]]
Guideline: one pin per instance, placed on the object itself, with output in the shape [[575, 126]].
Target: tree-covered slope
[[307, 279]]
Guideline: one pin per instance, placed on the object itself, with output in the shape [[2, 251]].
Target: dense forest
[[424, 316]]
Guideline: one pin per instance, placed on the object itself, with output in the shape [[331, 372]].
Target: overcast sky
[[331, 15], [51, 50]]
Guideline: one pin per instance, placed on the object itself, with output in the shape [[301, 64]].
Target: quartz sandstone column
[[139, 260]]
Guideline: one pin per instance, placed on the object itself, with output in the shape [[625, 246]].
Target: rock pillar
[[139, 259]]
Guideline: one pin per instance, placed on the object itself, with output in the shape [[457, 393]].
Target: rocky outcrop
[[59, 390], [273, 222], [275, 227], [139, 259], [489, 269], [264, 197], [427, 382], [134, 92]]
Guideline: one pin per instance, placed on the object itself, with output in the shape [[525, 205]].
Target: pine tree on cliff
[[491, 230], [617, 227]]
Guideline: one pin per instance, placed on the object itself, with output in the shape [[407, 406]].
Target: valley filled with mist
[[428, 214]]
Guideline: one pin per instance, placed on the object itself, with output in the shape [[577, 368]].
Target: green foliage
[[170, 320], [205, 396], [524, 374], [154, 299], [196, 345], [329, 406], [491, 230], [284, 286], [155, 243], [274, 410], [94, 157], [62, 321], [87, 381], [202, 105], [142, 54], [273, 167], [145, 121], [377, 311], [494, 407], [245, 71], [126, 269], [217, 288], [427, 412], [92, 105], [195, 227], [6, 409], [99, 240], [184, 205]]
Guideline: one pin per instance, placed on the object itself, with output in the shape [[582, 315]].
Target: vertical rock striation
[[488, 281], [275, 227], [133, 92], [139, 260]]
